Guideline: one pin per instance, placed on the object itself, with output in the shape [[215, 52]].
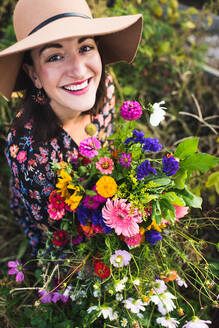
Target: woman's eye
[[54, 58], [86, 48]]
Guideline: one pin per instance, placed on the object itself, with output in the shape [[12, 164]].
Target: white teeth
[[76, 87]]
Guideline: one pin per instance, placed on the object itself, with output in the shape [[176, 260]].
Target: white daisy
[[181, 282], [124, 322], [92, 308], [167, 322], [134, 305], [119, 297], [197, 323], [158, 113], [164, 302], [107, 312], [159, 286], [119, 285]]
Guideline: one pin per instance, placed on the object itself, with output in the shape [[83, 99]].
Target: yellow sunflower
[[63, 183], [74, 199]]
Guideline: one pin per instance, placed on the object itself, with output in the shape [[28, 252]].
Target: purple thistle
[[89, 146], [153, 236], [125, 160], [144, 169], [131, 110], [170, 165], [138, 137], [152, 145], [17, 269]]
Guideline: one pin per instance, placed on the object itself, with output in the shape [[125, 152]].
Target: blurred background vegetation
[[169, 66]]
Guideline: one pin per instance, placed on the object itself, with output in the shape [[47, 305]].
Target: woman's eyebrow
[[50, 45], [85, 38]]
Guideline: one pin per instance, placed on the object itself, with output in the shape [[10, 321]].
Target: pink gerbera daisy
[[121, 217], [105, 165]]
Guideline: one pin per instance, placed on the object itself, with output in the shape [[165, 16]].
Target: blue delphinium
[[138, 137], [83, 214], [144, 169], [97, 219], [170, 165], [152, 145], [153, 236]]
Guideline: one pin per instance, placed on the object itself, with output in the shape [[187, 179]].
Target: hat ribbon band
[[53, 18]]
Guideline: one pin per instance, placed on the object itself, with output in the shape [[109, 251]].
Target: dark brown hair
[[45, 123]]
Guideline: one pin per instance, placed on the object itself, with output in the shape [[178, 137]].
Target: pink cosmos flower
[[181, 211], [105, 165], [121, 217], [17, 269], [89, 146], [120, 258], [134, 240], [54, 213], [22, 156]]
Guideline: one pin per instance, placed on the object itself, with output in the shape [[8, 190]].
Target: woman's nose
[[76, 67]]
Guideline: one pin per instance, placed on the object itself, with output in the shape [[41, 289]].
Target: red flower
[[60, 237], [102, 270], [84, 160]]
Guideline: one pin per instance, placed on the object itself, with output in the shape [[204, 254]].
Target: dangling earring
[[40, 97]]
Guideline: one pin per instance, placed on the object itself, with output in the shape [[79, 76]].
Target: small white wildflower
[[107, 312], [124, 322], [167, 322], [197, 323], [67, 290], [96, 293], [119, 297], [134, 305], [92, 308], [158, 113], [164, 302], [159, 286], [136, 282], [119, 285], [181, 282]]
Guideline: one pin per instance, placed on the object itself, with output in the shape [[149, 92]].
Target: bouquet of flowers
[[119, 251]]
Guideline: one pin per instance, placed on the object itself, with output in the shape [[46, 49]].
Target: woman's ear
[[30, 71]]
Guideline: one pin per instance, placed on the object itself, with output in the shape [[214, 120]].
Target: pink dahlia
[[105, 165], [89, 146], [131, 110], [121, 217]]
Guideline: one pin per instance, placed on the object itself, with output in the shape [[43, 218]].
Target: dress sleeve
[[32, 180]]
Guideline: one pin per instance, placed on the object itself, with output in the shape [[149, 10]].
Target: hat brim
[[118, 41]]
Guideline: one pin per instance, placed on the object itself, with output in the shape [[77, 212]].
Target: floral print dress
[[32, 178]]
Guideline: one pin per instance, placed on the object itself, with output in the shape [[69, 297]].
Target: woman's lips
[[77, 88]]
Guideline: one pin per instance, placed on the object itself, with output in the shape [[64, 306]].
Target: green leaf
[[186, 147], [156, 212], [201, 161], [90, 193], [180, 178], [168, 210], [213, 179], [190, 199], [173, 198]]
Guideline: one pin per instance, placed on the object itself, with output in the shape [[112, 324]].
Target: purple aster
[[89, 146], [17, 269], [125, 160], [45, 297], [83, 214], [144, 169], [138, 137], [120, 258], [170, 165], [131, 110], [153, 236], [152, 144]]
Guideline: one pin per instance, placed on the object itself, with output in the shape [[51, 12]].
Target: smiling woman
[[58, 63]]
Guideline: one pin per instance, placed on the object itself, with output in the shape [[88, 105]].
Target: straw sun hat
[[37, 22]]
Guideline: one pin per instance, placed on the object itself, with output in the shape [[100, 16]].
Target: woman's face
[[70, 72]]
